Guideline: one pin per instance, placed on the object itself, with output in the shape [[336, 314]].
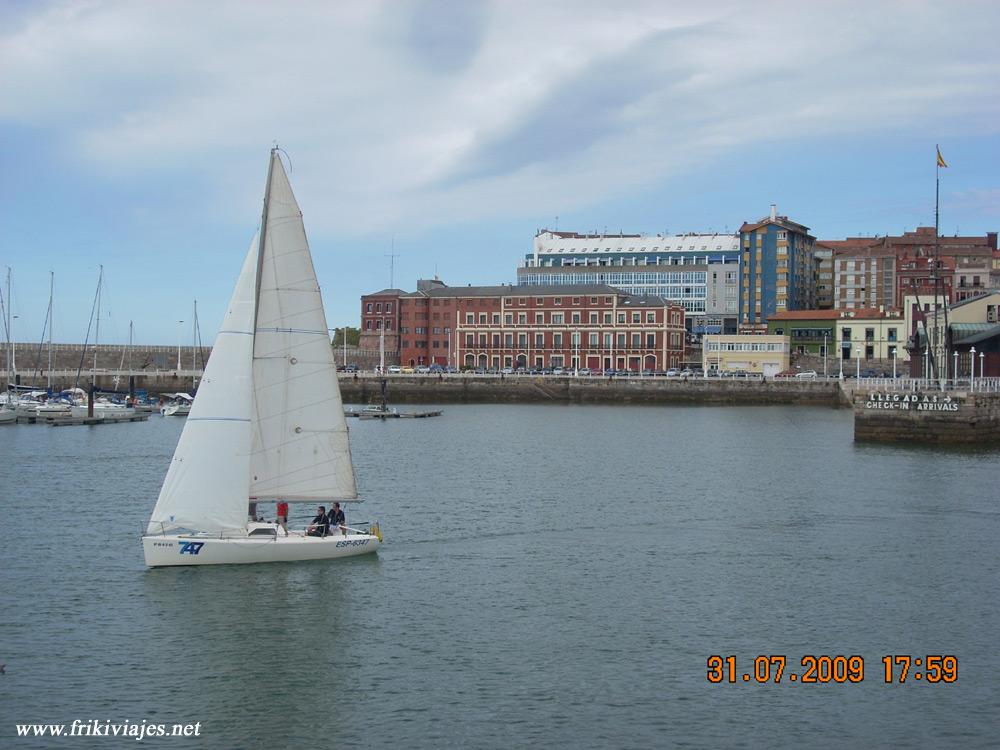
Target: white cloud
[[408, 114]]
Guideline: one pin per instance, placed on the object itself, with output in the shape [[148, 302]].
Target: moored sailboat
[[268, 423]]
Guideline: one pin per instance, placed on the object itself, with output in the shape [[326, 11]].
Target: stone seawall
[[931, 417], [462, 389]]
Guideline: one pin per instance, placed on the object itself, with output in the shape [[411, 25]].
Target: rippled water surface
[[552, 577]]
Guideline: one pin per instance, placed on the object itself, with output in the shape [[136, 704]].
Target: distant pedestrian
[[282, 514]]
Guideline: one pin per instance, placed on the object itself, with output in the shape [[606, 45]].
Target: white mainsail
[[207, 484], [300, 448]]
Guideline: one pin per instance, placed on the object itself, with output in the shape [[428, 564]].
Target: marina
[[518, 594]]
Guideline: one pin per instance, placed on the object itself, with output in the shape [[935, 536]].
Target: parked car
[[672, 373], [507, 371], [583, 371], [787, 374], [558, 371], [422, 369], [435, 369], [407, 370], [687, 372], [807, 374], [394, 369]]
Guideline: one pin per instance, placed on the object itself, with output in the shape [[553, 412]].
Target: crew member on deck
[[337, 519], [320, 525], [282, 515]]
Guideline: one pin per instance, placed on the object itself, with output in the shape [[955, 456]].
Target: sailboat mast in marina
[[268, 423]]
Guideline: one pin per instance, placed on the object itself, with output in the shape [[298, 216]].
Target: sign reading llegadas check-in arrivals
[[911, 401]]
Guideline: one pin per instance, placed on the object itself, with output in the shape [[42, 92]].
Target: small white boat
[[179, 405], [103, 408], [8, 416], [268, 423], [54, 408]]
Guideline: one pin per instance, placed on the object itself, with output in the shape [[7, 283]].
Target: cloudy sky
[[136, 134]]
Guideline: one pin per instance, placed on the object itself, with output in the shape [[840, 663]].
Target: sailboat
[[268, 423]]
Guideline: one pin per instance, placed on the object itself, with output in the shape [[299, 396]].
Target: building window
[[650, 317], [621, 317], [636, 317], [482, 319], [539, 319], [522, 318], [539, 340], [593, 318], [557, 319], [388, 307], [593, 339], [576, 300], [593, 300], [378, 307], [368, 307], [509, 319], [368, 325], [470, 319], [556, 340]]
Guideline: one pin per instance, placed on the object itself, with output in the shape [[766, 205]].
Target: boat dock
[[362, 414], [66, 421]]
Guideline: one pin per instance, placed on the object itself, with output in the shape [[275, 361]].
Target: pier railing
[[971, 385]]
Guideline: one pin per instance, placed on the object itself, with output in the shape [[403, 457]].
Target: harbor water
[[553, 576]]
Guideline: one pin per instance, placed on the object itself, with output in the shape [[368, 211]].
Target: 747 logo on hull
[[191, 548]]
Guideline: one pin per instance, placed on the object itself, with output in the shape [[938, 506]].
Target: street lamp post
[[824, 353], [857, 359], [955, 368], [893, 364], [972, 369], [982, 363], [179, 324]]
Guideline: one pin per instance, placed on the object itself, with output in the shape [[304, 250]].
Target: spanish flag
[[940, 161]]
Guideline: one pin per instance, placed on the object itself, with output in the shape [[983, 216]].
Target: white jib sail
[[300, 446], [207, 486]]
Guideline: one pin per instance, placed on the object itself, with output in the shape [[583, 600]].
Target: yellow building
[[759, 355]]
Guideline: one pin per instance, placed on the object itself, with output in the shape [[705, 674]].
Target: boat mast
[[90, 323], [6, 326], [52, 285], [97, 329], [194, 346]]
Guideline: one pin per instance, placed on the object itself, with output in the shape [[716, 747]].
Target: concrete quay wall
[[929, 417], [479, 389]]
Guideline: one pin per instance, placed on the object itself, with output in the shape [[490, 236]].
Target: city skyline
[[446, 135]]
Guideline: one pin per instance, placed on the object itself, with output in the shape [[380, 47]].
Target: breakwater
[[958, 417], [489, 389]]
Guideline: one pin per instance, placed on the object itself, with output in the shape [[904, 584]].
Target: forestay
[[300, 449]]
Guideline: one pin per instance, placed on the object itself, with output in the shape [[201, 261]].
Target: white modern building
[[698, 271]]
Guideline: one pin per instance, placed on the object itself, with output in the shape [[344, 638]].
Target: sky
[[445, 133]]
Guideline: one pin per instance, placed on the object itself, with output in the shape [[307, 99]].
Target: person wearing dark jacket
[[336, 519], [320, 525]]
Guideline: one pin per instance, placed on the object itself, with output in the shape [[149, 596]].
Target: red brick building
[[588, 325], [881, 271]]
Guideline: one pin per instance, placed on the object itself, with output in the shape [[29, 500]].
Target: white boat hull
[[185, 549], [176, 410], [8, 416]]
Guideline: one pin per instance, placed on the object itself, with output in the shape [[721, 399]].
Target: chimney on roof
[[774, 211]]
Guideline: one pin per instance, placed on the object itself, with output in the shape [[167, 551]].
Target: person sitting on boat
[[282, 516], [320, 525], [337, 519]]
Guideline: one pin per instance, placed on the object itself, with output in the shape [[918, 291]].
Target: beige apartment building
[[762, 354]]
